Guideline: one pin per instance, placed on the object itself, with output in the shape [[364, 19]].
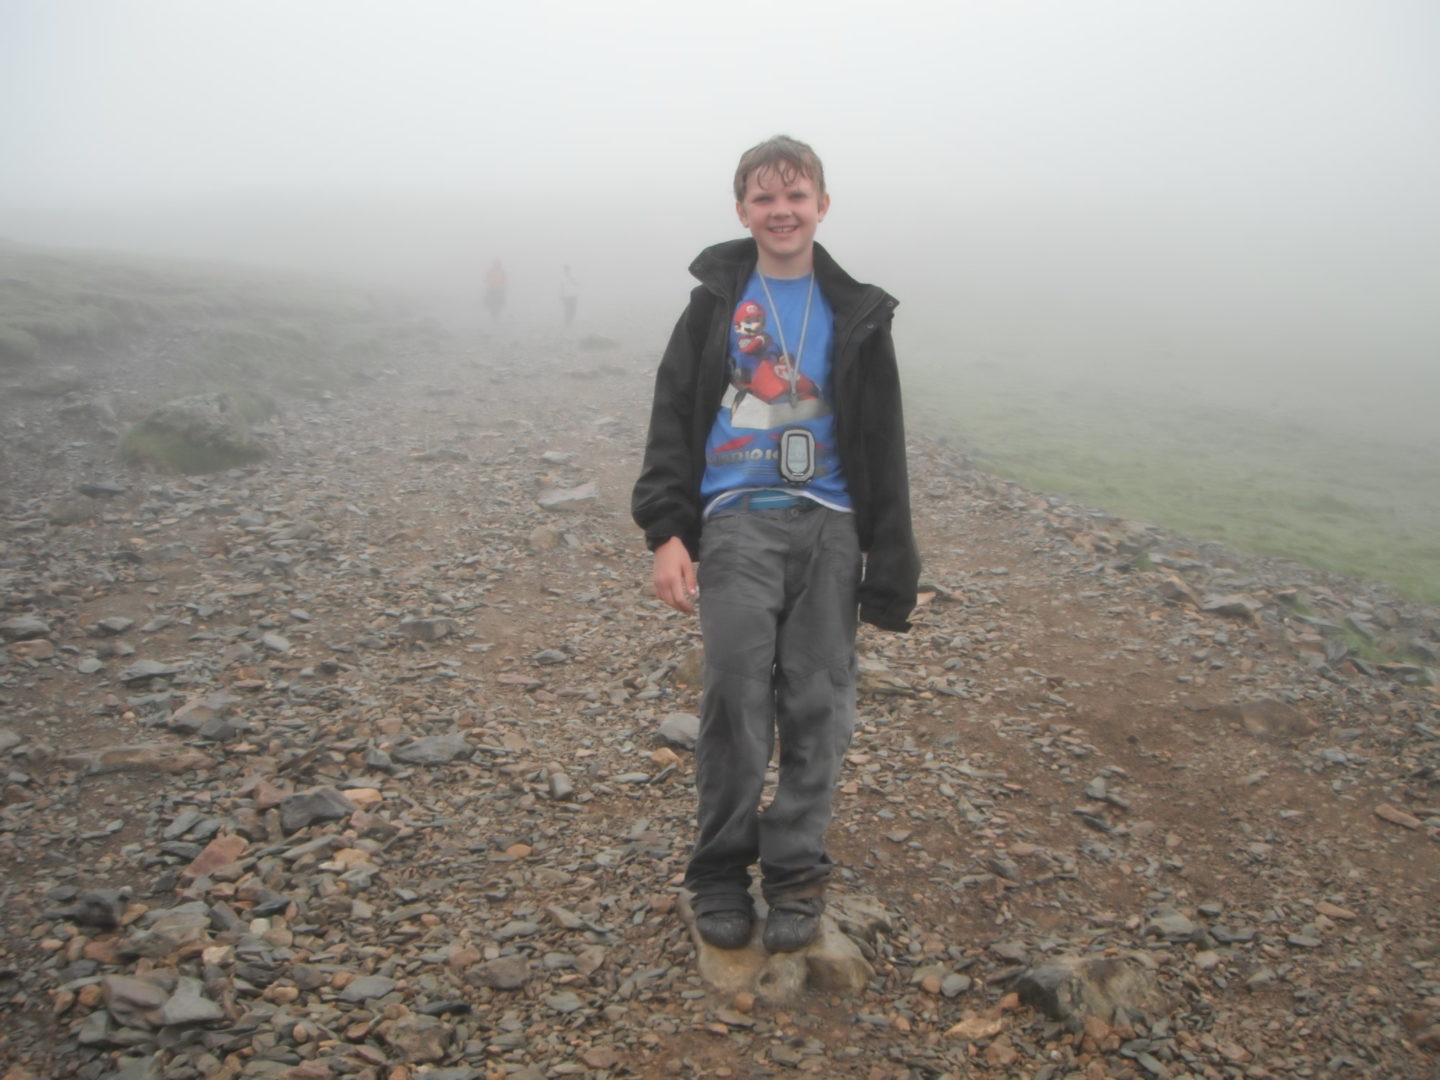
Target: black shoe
[[726, 929], [788, 928]]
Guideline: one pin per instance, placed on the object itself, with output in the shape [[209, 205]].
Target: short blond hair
[[788, 158]]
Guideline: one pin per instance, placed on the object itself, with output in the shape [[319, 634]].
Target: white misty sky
[[1209, 99], [1265, 163]]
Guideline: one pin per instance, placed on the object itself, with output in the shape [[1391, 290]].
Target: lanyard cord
[[794, 361]]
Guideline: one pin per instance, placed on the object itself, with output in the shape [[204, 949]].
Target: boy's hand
[[674, 576]]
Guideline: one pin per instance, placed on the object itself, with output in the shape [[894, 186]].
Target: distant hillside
[[210, 326]]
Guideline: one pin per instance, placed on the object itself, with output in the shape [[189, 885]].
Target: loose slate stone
[[196, 713], [94, 1031], [1172, 926], [561, 786], [170, 930], [158, 757], [954, 985], [1177, 591], [874, 678], [690, 671], [418, 1038], [378, 760], [679, 730], [517, 928], [189, 1005], [1235, 605], [976, 1026], [1273, 719], [1226, 935], [97, 908], [503, 973], [568, 498], [433, 750], [144, 670], [221, 851], [428, 629], [367, 987], [100, 489], [33, 650], [24, 628], [183, 823], [565, 1002], [148, 1067], [1386, 812], [133, 1000], [316, 805]]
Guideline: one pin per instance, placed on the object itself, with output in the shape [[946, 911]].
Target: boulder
[[1070, 988], [834, 963], [199, 433]]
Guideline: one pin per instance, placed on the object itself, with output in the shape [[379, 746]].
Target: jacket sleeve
[[666, 499], [892, 562]]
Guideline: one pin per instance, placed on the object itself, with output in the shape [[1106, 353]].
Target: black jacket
[[870, 428]]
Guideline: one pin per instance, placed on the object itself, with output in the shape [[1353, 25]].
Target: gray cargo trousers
[[778, 612]]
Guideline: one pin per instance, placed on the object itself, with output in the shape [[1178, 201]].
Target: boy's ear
[[824, 207], [740, 213]]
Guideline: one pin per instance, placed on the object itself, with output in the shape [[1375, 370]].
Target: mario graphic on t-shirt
[[750, 333], [760, 394]]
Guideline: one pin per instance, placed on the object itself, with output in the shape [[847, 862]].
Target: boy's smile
[[781, 211]]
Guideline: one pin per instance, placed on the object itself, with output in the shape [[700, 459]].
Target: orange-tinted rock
[[221, 851]]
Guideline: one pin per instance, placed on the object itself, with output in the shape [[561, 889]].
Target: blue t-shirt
[[770, 392]]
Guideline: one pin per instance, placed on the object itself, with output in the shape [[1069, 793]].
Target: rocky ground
[[351, 763]]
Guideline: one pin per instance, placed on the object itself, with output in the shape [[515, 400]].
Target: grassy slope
[[1252, 475], [231, 328]]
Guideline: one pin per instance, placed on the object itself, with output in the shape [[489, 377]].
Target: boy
[[776, 457]]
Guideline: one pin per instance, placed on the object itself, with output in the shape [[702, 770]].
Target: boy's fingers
[[677, 594], [678, 597], [674, 577]]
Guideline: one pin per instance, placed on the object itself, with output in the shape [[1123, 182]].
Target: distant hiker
[[569, 294], [495, 289], [776, 457]]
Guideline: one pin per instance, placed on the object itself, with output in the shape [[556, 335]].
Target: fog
[[1240, 193]]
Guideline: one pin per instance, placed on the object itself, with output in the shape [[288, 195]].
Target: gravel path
[[351, 764]]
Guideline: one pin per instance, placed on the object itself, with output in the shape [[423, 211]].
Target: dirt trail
[[1054, 762]]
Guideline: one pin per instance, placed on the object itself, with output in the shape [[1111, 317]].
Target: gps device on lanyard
[[797, 444], [797, 455]]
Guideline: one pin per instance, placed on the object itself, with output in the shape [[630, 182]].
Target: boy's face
[[781, 212]]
